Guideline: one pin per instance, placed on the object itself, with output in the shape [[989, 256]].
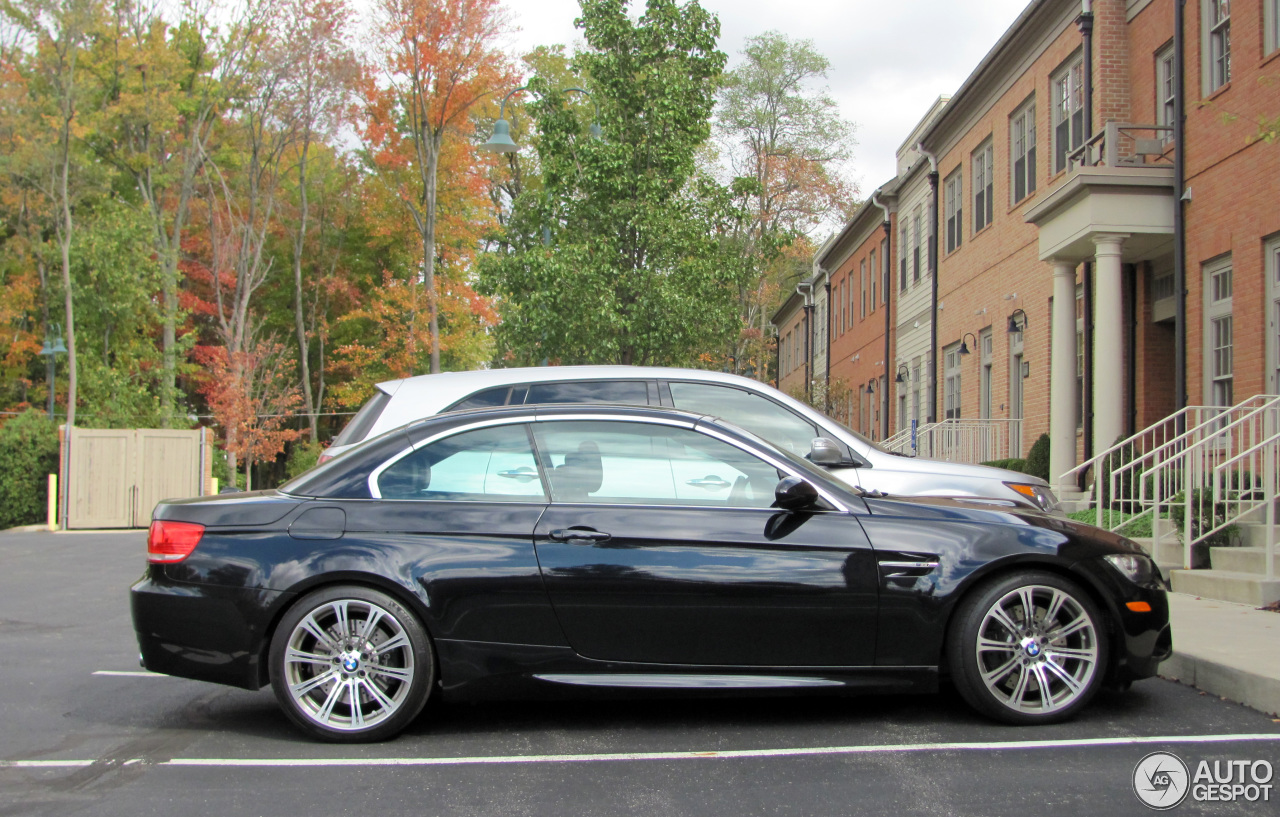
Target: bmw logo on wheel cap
[[350, 663], [1161, 780]]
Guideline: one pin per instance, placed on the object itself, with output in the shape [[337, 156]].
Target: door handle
[[711, 483], [579, 535]]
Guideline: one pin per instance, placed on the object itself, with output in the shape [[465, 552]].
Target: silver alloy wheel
[[1037, 649], [349, 665]]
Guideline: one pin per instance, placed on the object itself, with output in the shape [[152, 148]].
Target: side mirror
[[794, 494], [824, 452]]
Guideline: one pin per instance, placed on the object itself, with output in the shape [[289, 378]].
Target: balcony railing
[[1123, 145], [969, 440]]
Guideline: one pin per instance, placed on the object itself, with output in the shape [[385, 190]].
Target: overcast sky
[[889, 60]]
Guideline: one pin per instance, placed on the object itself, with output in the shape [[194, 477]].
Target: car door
[[660, 546], [457, 515]]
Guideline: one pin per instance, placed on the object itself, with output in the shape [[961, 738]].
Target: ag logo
[[1161, 780]]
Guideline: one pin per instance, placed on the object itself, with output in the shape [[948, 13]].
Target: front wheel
[[1029, 648], [351, 664]]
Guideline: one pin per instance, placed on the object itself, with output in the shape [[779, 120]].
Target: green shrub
[[1011, 464], [28, 454], [303, 456], [1038, 458]]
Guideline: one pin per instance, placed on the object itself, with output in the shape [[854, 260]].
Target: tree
[[167, 87], [440, 59], [60, 29], [632, 273], [249, 393], [318, 91], [787, 146]]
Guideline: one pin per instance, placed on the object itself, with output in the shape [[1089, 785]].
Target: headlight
[[1039, 495], [1133, 566]]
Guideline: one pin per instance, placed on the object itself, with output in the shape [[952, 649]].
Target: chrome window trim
[[372, 479]]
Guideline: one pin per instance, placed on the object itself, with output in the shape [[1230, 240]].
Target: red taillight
[[170, 542]]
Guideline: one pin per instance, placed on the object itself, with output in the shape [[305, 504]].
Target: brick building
[[1058, 190]]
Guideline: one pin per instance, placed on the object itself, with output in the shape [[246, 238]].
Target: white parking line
[[130, 673], [632, 756]]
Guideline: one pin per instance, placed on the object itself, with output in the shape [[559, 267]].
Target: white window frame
[[1219, 351], [886, 271], [1067, 88], [1022, 151], [953, 196], [903, 244], [1166, 83], [1270, 28], [862, 267], [1272, 265], [981, 165], [874, 277], [916, 251], [986, 349], [1215, 44], [951, 406]]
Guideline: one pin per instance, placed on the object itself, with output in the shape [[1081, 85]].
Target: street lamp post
[[501, 141], [50, 350]]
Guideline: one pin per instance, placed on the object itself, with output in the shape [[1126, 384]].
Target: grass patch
[[1138, 529]]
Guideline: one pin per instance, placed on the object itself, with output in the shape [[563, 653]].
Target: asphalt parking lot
[[84, 731]]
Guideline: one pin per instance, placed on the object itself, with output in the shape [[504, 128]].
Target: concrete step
[[1254, 534], [1241, 588], [1243, 560], [1168, 553], [1072, 500]]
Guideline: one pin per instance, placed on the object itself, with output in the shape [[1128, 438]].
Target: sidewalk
[[1231, 650]]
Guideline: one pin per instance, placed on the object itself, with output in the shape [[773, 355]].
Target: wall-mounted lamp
[[904, 374], [964, 347], [1014, 325]]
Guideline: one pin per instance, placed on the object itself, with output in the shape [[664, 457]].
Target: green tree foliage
[[28, 454], [633, 270]]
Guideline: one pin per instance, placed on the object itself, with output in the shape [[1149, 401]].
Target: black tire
[[1028, 672], [350, 665]]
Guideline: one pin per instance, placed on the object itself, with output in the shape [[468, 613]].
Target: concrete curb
[[1248, 688], [27, 529]]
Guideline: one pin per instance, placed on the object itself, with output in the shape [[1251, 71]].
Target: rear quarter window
[[361, 424]]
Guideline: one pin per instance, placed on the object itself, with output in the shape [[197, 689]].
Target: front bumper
[[1139, 640]]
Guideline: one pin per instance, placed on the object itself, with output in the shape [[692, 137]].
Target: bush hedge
[[1011, 464], [1038, 458], [28, 454]]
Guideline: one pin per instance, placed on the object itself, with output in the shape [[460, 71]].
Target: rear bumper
[[203, 632]]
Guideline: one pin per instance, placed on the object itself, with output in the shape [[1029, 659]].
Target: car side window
[[483, 399], [486, 465], [641, 463], [762, 417], [630, 392]]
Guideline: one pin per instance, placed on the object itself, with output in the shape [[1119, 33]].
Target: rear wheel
[[1028, 648], [351, 664]]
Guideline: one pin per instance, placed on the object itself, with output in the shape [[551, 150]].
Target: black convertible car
[[497, 551]]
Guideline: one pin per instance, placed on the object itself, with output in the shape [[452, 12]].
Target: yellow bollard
[[53, 502], [213, 485]]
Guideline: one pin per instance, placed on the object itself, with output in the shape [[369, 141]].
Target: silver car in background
[[750, 404]]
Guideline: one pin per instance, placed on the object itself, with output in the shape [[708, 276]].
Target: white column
[[1108, 342], [1064, 398]]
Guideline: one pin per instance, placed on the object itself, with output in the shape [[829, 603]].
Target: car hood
[[922, 465], [983, 511]]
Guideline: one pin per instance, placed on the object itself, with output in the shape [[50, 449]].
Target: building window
[[915, 389], [902, 256], [1270, 27], [1022, 151], [918, 218], [983, 185], [863, 273], [1219, 357], [954, 198], [1217, 27], [951, 386], [984, 398], [873, 275], [1068, 111], [1273, 299], [1165, 82], [885, 264]]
